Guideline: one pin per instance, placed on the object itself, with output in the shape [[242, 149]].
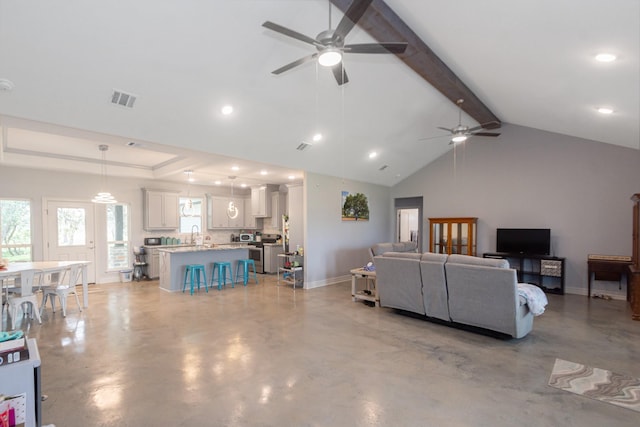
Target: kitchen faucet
[[197, 231]]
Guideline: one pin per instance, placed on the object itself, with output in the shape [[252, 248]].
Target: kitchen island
[[173, 262]]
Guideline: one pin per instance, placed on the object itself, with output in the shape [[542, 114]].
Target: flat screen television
[[528, 241]]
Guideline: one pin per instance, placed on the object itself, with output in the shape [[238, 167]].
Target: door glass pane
[[15, 230], [71, 227], [118, 236]]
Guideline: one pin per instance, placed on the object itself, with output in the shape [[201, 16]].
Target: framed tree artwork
[[355, 207]]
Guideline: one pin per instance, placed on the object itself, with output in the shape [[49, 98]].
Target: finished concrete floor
[[273, 356]]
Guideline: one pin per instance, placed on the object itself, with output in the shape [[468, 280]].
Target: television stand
[[544, 271]]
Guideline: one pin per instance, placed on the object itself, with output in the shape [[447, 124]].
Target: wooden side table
[[370, 292], [607, 267]]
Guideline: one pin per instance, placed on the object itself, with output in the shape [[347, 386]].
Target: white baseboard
[[326, 282], [583, 291]]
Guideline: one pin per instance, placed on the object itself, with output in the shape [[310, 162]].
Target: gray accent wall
[[333, 247], [529, 178]]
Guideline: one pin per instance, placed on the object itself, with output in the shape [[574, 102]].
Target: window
[[15, 220], [190, 214], [118, 247]]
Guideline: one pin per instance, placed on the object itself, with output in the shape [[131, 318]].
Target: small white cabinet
[[153, 262], [161, 210], [260, 202]]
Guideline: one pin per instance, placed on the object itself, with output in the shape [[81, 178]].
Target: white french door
[[70, 233]]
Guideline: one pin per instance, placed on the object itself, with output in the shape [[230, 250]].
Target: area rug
[[595, 383]]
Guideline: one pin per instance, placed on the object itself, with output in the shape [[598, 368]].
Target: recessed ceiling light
[[235, 168], [605, 57], [292, 177], [227, 109], [263, 172], [317, 137], [218, 182], [605, 110], [243, 185], [373, 155]]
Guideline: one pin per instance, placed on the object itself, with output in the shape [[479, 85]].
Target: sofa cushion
[[409, 255], [434, 285], [472, 260], [430, 256], [398, 282], [380, 248], [405, 247]]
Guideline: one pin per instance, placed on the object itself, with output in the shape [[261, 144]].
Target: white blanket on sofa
[[535, 297]]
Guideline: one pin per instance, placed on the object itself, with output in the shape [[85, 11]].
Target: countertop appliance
[[246, 237], [152, 241]]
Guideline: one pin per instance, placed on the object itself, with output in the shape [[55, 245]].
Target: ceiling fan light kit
[[330, 43], [330, 57], [461, 133]]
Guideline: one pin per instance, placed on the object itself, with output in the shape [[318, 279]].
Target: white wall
[[534, 179], [333, 247], [295, 208], [37, 185]]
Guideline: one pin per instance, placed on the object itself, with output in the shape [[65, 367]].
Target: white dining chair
[[65, 286], [24, 294]]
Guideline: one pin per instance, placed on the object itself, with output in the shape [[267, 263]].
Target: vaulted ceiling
[[529, 63]]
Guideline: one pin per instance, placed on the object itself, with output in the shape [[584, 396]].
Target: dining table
[[16, 269]]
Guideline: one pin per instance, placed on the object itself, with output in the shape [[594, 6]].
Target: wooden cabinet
[[634, 269], [161, 210], [453, 235], [261, 202]]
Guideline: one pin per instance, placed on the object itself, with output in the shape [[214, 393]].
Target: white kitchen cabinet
[[161, 210], [278, 208], [153, 262], [260, 202], [217, 212], [249, 219]]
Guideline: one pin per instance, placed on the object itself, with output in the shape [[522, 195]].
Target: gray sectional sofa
[[460, 289]]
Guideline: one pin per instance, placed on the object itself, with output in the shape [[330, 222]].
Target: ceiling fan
[[330, 43], [460, 133]]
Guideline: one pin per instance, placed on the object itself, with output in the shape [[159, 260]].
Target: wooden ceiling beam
[[384, 25]]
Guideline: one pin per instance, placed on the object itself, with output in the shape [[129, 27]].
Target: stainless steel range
[[256, 250]]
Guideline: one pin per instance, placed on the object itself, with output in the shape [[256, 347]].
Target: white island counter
[[173, 262]]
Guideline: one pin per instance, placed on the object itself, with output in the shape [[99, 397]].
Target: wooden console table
[[609, 267]]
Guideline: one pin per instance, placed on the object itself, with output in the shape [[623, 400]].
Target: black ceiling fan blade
[[485, 134], [351, 17], [295, 63], [340, 74], [291, 33], [392, 47]]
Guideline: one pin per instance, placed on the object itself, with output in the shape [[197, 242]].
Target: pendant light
[[187, 208], [232, 209], [103, 196]]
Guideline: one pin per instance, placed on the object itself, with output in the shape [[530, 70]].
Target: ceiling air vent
[[123, 99], [303, 146]]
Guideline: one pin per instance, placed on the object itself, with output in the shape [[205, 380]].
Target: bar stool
[[221, 268], [193, 271], [245, 263]]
